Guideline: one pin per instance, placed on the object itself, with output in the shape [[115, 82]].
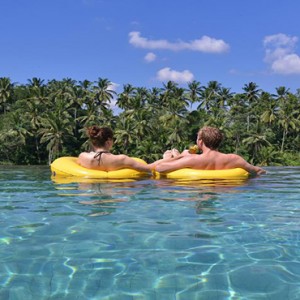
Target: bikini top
[[99, 154]]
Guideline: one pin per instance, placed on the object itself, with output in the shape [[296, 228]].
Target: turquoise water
[[149, 239]]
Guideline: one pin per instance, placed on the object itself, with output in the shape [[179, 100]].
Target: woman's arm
[[84, 160], [176, 163], [129, 162]]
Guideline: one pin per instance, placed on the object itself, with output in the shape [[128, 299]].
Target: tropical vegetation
[[40, 121]]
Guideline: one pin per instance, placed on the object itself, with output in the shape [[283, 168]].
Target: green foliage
[[40, 120], [291, 159]]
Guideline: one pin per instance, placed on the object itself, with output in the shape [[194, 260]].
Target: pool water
[[149, 239]]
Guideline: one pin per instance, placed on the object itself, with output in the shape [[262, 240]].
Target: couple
[[208, 141]]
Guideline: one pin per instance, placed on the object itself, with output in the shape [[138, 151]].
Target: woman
[[101, 159]]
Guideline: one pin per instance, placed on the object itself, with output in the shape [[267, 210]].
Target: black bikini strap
[[98, 155]]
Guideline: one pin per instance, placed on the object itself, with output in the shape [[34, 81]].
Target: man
[[208, 141]]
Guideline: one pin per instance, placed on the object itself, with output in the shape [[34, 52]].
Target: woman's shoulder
[[120, 157], [86, 154], [85, 159]]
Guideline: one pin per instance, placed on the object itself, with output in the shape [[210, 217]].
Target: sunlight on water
[[149, 239]]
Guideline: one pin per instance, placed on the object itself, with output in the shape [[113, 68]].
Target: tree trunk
[[283, 140]]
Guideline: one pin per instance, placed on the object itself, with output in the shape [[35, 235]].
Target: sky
[[147, 43]]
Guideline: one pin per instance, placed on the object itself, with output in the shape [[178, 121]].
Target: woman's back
[[101, 160]]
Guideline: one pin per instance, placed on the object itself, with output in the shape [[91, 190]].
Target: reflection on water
[[103, 195], [68, 238], [107, 193]]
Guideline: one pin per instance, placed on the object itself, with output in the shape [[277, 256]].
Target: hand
[[261, 171], [175, 152], [167, 154], [186, 153]]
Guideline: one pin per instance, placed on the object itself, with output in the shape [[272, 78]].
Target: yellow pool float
[[67, 166], [192, 174]]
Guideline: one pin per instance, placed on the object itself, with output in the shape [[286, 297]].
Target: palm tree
[[103, 94], [194, 91], [124, 134], [255, 142], [14, 137], [167, 92], [251, 95], [282, 93], [37, 99], [154, 97], [269, 156], [54, 132], [18, 130], [83, 99], [6, 89], [62, 93], [251, 92], [84, 92], [124, 100], [288, 119], [270, 111], [209, 95], [35, 82], [225, 95]]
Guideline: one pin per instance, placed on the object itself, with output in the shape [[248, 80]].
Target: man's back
[[215, 160], [209, 160], [208, 140]]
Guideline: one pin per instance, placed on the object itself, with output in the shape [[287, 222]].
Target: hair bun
[[99, 135], [93, 131]]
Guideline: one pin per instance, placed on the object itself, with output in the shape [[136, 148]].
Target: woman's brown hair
[[99, 135]]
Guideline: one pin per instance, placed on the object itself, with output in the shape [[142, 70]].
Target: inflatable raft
[[192, 174], [67, 166]]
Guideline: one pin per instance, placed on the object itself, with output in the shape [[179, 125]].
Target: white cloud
[[166, 74], [204, 44], [289, 64], [280, 39], [113, 86], [280, 53], [149, 57]]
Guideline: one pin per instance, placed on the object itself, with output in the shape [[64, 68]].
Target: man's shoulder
[[197, 160], [232, 155], [234, 160], [228, 159], [229, 155]]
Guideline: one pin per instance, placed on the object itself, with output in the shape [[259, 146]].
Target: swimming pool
[[149, 239]]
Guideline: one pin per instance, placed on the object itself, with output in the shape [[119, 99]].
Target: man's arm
[[176, 163], [163, 160], [253, 170]]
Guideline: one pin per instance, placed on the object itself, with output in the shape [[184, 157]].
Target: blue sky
[[147, 43]]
